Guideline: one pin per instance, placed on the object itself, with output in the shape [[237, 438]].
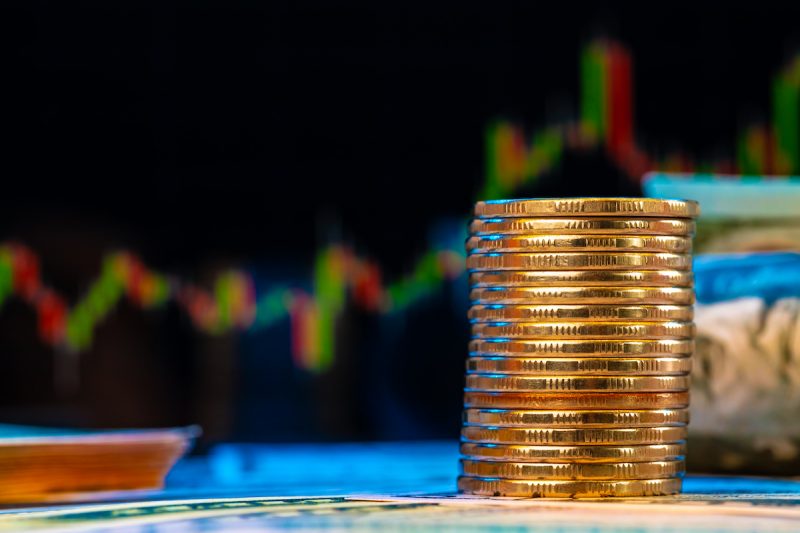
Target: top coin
[[583, 225], [566, 207]]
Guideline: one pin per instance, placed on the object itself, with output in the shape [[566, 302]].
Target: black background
[[213, 134]]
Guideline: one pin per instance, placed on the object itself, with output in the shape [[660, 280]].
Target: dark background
[[206, 135]]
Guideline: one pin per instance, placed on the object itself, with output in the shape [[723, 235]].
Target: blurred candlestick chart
[[340, 277], [233, 303]]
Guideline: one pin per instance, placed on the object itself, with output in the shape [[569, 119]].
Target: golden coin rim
[[566, 453], [588, 330], [586, 295], [568, 489], [523, 383], [574, 418], [486, 313], [569, 207], [592, 400], [572, 471], [581, 348], [477, 262], [532, 243], [584, 436], [584, 365], [583, 226], [581, 278]]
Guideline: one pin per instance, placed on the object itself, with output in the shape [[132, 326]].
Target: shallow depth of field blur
[[251, 216]]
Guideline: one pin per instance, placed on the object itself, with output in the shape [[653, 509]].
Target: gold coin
[[586, 295], [567, 348], [659, 366], [521, 383], [579, 261], [584, 454], [613, 207], [586, 400], [582, 225], [558, 471], [595, 312], [582, 278], [652, 435], [567, 489], [584, 330], [575, 243], [564, 418]]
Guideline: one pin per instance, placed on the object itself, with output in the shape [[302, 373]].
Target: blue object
[[769, 276]]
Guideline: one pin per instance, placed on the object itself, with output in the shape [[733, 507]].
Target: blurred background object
[[248, 216], [745, 386], [46, 465]]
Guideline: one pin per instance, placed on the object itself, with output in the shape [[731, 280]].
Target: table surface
[[397, 485]]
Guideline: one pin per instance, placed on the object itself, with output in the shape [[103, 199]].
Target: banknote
[[773, 507]]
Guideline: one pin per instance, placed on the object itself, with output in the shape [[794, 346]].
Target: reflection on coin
[[518, 382], [582, 312], [557, 348], [578, 243], [584, 330], [585, 400], [584, 454], [584, 295], [558, 471], [582, 278], [651, 435], [614, 207], [572, 418], [567, 489], [580, 365], [590, 225], [579, 261]]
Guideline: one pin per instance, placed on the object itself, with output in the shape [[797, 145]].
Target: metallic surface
[[583, 225], [575, 471], [595, 348], [582, 335], [586, 400], [583, 295], [576, 243], [584, 330], [646, 366], [650, 435], [614, 207], [584, 454], [579, 261], [585, 312], [567, 489], [582, 278], [495, 382], [566, 418]]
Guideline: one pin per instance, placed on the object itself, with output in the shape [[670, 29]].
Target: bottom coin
[[584, 454], [518, 488], [573, 471], [585, 400]]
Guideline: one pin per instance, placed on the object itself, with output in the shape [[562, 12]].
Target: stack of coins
[[582, 334]]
